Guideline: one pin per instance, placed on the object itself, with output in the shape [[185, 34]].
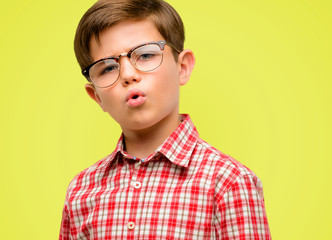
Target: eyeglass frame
[[160, 43]]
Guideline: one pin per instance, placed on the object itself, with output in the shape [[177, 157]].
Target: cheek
[[171, 80], [167, 87], [109, 100], [168, 76]]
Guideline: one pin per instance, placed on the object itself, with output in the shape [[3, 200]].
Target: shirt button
[[137, 184], [131, 225]]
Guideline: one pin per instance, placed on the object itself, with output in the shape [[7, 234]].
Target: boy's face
[[158, 90]]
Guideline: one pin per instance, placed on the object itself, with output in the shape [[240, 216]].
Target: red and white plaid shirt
[[185, 190]]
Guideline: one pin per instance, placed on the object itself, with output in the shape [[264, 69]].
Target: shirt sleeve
[[65, 226], [241, 212]]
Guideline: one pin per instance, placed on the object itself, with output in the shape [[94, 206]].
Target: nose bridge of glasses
[[126, 66], [123, 55], [126, 55]]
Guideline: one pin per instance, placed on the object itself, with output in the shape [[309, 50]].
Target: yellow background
[[260, 91]]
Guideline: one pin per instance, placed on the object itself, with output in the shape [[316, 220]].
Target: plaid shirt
[[185, 190]]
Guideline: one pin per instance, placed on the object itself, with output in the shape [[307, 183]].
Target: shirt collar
[[178, 147]]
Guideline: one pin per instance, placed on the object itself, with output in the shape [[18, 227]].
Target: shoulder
[[86, 177], [224, 169], [237, 194]]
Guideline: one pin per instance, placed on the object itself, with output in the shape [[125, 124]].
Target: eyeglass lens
[[145, 58]]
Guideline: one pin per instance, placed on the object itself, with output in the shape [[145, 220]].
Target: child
[[162, 181]]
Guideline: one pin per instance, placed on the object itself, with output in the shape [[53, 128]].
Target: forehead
[[122, 37]]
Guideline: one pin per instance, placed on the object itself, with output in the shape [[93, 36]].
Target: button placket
[[134, 182]]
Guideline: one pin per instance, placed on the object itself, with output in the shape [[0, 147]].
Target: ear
[[186, 63], [91, 91]]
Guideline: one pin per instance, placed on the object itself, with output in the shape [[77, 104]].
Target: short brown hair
[[106, 13]]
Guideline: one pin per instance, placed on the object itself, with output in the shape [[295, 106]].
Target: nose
[[128, 73]]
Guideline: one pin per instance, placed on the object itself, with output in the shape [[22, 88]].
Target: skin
[[147, 126]]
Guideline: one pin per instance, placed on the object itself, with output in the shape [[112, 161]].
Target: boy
[[161, 181]]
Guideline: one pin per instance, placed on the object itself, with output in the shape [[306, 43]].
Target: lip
[[135, 98]]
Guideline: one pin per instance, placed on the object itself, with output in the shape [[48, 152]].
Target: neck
[[142, 143]]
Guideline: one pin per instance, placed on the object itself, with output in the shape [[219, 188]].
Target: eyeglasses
[[144, 57]]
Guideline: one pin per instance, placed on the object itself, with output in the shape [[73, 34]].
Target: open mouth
[[135, 98]]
